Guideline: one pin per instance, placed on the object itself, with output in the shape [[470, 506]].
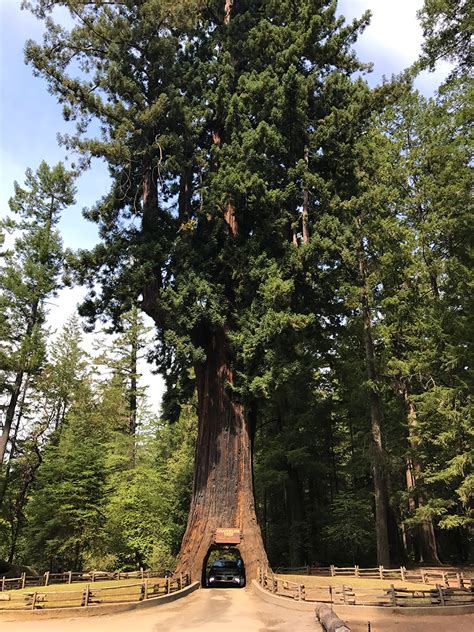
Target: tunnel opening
[[223, 568]]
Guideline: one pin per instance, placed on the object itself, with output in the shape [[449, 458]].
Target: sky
[[30, 117]]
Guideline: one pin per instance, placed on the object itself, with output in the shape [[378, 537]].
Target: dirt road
[[216, 610]]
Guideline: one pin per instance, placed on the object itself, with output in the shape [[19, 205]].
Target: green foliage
[[349, 528], [220, 134], [447, 29]]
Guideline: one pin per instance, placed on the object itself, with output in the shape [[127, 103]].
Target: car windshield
[[225, 564]]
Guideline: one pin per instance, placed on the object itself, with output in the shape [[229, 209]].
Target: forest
[[300, 243]]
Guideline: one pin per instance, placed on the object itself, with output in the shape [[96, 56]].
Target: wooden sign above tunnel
[[227, 536]]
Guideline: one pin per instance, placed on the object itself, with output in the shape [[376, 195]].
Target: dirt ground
[[215, 610], [235, 610]]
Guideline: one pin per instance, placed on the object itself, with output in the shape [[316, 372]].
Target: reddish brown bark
[[150, 226], [230, 218], [223, 479], [223, 489], [228, 10]]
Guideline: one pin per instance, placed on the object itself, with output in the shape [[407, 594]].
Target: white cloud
[[393, 39]]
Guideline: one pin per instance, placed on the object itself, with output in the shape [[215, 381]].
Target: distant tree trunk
[[376, 417], [133, 399], [296, 518], [223, 489], [4, 487], [425, 546], [10, 414], [28, 474]]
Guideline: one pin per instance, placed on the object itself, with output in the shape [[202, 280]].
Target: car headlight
[[212, 579], [237, 580]]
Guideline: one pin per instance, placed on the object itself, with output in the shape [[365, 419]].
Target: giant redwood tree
[[214, 117]]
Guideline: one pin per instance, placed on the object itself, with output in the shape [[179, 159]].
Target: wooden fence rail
[[362, 596], [69, 577], [448, 578], [93, 594]]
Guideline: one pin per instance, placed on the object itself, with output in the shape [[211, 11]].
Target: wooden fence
[[448, 577], [69, 577], [362, 596], [93, 594]]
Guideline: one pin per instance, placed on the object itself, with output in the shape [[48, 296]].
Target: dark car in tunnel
[[226, 573]]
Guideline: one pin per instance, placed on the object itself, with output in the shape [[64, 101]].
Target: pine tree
[[29, 275]]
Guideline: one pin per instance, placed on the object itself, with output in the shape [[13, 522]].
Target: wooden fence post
[[423, 578], [168, 585], [46, 578], [441, 595], [3, 583], [393, 595], [69, 579], [402, 573], [93, 576], [86, 595], [445, 580], [23, 580], [141, 571], [333, 570], [33, 601], [381, 572], [356, 570], [460, 578]]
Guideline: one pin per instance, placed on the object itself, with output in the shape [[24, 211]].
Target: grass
[[62, 595], [312, 581], [109, 583]]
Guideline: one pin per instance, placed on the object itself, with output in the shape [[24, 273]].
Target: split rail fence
[[93, 594], [362, 596], [69, 577], [448, 578]]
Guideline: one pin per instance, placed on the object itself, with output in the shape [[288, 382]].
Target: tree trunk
[[376, 418], [23, 368], [10, 414], [305, 214], [296, 518], [425, 546], [133, 399], [11, 455], [222, 490]]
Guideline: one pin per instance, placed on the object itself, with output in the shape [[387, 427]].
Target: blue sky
[[30, 118]]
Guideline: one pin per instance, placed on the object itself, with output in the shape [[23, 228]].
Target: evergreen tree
[[28, 276], [447, 29], [65, 513], [213, 124]]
